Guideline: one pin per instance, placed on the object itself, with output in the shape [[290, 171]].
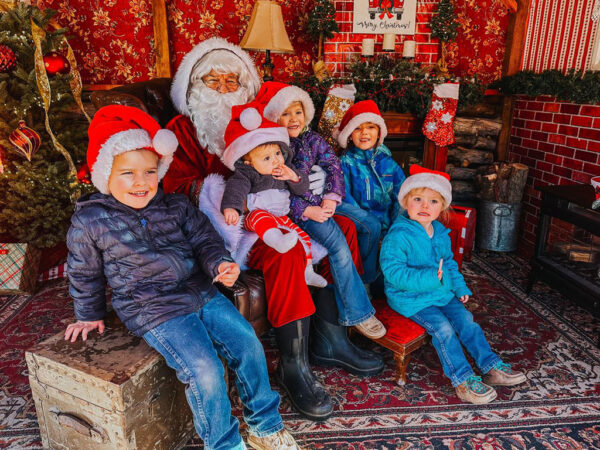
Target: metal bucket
[[497, 226]]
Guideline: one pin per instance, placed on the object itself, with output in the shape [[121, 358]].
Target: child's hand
[[329, 205], [317, 214], [285, 173], [231, 216], [83, 328], [464, 299], [228, 273]]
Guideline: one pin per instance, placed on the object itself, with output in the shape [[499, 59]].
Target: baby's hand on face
[[329, 206], [317, 214], [231, 216], [285, 173]]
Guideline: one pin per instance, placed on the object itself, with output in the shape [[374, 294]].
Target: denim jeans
[[368, 229], [191, 344], [350, 293], [450, 325]]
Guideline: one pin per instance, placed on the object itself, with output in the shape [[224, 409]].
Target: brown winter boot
[[474, 391], [502, 375]]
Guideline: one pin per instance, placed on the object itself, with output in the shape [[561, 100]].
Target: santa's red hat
[[277, 97], [117, 129], [247, 130], [357, 114], [420, 177]]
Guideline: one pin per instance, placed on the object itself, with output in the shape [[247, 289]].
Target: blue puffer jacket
[[373, 180], [159, 260], [410, 260]]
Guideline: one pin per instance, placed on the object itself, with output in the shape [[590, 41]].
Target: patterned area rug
[[543, 334]]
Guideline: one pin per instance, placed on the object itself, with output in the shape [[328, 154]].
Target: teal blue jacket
[[410, 259], [373, 180]]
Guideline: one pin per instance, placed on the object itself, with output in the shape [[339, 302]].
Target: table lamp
[[266, 32]]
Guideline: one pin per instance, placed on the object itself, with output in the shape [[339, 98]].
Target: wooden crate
[[110, 392]]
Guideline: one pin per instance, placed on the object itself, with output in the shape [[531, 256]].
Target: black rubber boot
[[306, 393], [330, 345]]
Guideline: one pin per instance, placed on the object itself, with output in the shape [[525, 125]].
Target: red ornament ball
[[25, 140], [56, 63], [8, 60]]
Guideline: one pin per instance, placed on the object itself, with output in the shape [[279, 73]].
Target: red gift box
[[461, 222]]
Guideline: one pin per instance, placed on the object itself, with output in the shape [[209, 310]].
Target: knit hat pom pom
[[250, 119], [165, 142]]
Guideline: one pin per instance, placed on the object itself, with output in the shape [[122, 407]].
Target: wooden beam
[[161, 39], [515, 42]]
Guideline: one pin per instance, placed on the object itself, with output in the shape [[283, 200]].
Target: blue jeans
[[350, 293], [368, 229], [191, 344], [450, 325]]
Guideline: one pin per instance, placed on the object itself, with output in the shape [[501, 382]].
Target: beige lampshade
[[266, 30]]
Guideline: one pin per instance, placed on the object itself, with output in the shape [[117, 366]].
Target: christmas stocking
[[339, 99], [439, 123]]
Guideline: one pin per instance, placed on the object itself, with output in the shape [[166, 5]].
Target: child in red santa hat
[[292, 108], [372, 179], [258, 152], [161, 256], [423, 283]]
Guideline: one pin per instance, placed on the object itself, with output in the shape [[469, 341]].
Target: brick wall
[[347, 45], [560, 143]]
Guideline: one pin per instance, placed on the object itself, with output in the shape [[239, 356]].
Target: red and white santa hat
[[420, 177], [359, 113], [277, 97], [117, 129], [247, 130]]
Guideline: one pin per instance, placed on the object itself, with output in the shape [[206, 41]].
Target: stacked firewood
[[476, 140]]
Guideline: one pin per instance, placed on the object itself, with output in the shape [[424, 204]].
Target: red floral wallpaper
[[112, 39], [479, 46]]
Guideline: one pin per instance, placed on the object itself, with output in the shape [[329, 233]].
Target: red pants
[[288, 297], [260, 221]]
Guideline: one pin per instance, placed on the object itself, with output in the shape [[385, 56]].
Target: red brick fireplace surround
[[560, 142]]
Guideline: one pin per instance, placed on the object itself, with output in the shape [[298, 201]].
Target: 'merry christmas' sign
[[384, 16]]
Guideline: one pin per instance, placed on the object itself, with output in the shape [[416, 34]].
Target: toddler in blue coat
[[423, 283], [161, 256], [372, 179]]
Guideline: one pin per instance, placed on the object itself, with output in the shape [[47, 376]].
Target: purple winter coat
[[309, 149]]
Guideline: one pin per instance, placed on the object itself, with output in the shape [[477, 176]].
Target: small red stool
[[403, 337]]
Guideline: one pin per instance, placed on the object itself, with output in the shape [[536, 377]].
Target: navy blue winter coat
[[158, 260]]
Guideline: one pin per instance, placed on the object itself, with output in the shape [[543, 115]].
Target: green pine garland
[[36, 200], [444, 25], [394, 84], [574, 86]]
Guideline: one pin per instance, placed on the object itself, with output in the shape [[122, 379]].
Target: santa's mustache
[[210, 112]]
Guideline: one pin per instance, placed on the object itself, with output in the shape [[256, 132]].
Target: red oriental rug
[[543, 334]]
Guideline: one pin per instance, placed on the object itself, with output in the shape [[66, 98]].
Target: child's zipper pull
[[143, 222]]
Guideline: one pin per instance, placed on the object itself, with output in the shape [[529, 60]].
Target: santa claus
[[214, 76]]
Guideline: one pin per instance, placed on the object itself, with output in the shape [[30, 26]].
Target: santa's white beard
[[210, 112]]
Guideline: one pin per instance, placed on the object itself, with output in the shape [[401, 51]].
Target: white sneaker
[[283, 243], [282, 440], [312, 278]]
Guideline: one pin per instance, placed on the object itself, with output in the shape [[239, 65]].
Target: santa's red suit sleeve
[[191, 162]]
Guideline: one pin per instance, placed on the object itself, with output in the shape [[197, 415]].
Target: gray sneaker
[[282, 440], [503, 375], [474, 391]]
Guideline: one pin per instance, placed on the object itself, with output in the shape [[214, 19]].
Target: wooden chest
[[110, 392]]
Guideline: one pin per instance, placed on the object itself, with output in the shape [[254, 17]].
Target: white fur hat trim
[[252, 139], [181, 81], [427, 180], [284, 98], [353, 123], [122, 142]]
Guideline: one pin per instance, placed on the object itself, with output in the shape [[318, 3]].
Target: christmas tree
[[38, 187], [321, 23], [445, 28]]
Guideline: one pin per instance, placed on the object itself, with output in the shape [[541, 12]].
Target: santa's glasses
[[227, 83]]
